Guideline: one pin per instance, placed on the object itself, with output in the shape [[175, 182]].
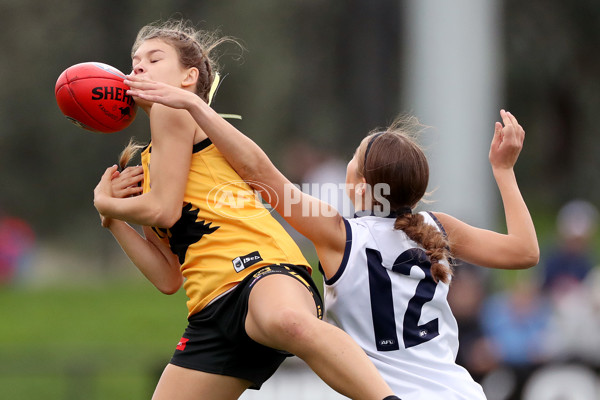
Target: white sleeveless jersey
[[384, 297]]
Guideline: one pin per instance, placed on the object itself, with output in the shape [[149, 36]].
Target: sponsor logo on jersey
[[243, 262]]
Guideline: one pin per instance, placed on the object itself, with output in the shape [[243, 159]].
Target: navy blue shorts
[[216, 342]]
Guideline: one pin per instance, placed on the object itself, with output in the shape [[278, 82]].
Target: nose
[[138, 68]]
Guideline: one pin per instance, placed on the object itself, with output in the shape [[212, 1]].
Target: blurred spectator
[[516, 320], [575, 323], [466, 296], [516, 323], [571, 259], [16, 242], [571, 283]]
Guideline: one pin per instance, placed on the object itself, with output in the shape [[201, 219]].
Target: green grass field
[[105, 341]]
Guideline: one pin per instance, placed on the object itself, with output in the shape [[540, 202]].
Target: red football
[[93, 96]]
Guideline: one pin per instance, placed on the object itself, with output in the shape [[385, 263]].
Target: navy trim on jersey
[[201, 145], [439, 224], [344, 262]]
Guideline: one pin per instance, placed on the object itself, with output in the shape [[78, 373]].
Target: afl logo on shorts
[[243, 262]]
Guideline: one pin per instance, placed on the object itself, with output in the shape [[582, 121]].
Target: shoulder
[[444, 221], [433, 218], [162, 116]]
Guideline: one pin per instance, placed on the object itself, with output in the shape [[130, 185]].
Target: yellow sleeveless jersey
[[224, 233]]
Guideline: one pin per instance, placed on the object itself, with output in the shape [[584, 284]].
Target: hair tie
[[404, 210], [369, 148], [396, 213]]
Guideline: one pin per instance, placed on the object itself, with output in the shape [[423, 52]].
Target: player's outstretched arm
[[519, 247], [324, 227]]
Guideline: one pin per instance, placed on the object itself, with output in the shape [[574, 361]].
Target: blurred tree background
[[323, 71], [552, 79]]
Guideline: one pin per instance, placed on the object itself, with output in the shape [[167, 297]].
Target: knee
[[290, 326]]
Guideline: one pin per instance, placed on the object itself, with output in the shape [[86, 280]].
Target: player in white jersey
[[384, 296], [387, 275]]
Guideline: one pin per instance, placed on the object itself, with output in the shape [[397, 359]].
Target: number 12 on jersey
[[382, 302]]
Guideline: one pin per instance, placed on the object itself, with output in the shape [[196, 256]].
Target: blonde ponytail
[[128, 153]]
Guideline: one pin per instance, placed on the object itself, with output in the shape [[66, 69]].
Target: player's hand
[[507, 142], [158, 92], [127, 183], [102, 191]]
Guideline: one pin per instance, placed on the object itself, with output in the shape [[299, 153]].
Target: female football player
[[252, 301]]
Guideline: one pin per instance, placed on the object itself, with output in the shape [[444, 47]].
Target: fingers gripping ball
[[93, 96]]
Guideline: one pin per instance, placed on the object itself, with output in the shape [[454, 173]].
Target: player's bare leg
[[289, 324], [177, 383]]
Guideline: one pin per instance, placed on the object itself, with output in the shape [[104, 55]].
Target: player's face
[[158, 61]]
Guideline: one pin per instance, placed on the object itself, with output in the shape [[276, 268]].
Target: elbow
[[254, 167], [169, 290], [162, 211], [534, 258], [260, 175], [529, 258], [249, 172], [171, 287], [166, 218]]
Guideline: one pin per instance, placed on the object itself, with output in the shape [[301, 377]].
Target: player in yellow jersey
[[252, 301], [224, 233]]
